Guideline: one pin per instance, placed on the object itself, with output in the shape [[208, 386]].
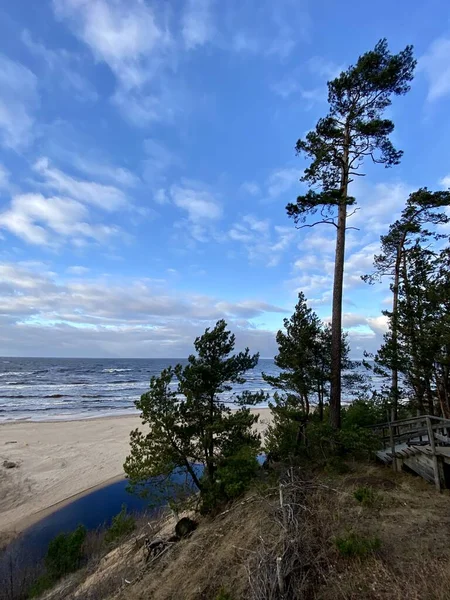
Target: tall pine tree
[[353, 130]]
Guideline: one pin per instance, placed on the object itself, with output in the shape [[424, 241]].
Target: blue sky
[[147, 155]]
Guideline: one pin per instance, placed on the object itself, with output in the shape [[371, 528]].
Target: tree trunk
[[336, 320], [320, 401], [394, 366]]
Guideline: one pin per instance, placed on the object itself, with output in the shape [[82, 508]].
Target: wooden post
[[280, 577], [437, 479], [391, 435], [283, 508]]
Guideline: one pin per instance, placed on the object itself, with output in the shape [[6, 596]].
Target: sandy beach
[[57, 461]]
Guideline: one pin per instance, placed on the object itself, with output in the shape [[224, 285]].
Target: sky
[[147, 153]]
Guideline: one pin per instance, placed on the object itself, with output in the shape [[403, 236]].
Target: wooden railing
[[425, 430]]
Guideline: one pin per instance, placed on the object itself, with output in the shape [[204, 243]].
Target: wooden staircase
[[422, 444]]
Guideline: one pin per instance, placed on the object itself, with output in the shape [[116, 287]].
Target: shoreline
[[59, 462]]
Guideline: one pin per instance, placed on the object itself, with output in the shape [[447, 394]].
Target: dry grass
[[238, 550]]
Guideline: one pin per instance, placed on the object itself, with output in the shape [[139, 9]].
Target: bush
[[43, 583], [222, 594], [353, 545], [64, 555], [233, 477], [122, 524], [358, 442], [367, 496], [363, 413], [337, 466]]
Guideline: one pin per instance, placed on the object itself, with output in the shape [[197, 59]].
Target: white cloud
[[436, 66], [105, 316], [323, 67], [18, 100], [161, 196], [118, 33], [126, 35], [445, 181], [144, 107], [106, 197], [4, 177], [199, 203], [197, 27], [281, 181], [320, 68], [77, 270], [159, 159], [261, 242], [378, 324], [63, 68], [251, 187], [51, 221], [101, 170], [379, 206]]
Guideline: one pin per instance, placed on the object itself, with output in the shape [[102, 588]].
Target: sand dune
[[59, 460]]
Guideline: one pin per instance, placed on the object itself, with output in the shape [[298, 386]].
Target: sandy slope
[[58, 460]]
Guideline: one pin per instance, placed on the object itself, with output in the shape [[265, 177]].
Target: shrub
[[43, 583], [358, 442], [122, 524], [233, 477], [367, 496], [337, 466], [222, 594], [64, 555], [363, 413], [353, 545]]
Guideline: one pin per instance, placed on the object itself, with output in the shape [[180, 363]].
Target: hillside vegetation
[[369, 533]]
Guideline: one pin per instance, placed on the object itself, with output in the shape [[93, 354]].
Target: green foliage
[[234, 475], [236, 472], [363, 412], [358, 442], [122, 524], [223, 594], [320, 442], [367, 496], [410, 257], [65, 552], [192, 423], [282, 434], [353, 130], [336, 465], [304, 357], [64, 555], [354, 545], [43, 583]]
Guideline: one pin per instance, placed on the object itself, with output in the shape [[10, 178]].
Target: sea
[[52, 389]]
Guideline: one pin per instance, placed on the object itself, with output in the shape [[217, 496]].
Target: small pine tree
[[304, 357], [194, 424]]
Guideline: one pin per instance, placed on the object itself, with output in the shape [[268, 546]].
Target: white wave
[[14, 373], [115, 370]]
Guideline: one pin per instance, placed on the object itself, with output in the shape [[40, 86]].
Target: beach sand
[[59, 460]]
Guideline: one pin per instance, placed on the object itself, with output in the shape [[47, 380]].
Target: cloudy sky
[[147, 155]]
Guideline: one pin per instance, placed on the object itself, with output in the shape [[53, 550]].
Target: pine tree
[[352, 131], [422, 211], [193, 423], [304, 360]]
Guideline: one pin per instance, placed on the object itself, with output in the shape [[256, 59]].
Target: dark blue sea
[[39, 389]]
